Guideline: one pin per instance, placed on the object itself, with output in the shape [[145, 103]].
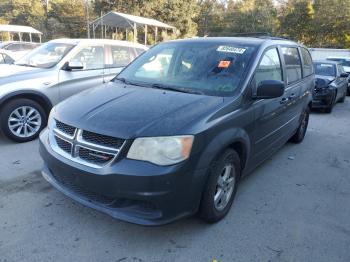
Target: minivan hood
[[327, 78], [132, 111]]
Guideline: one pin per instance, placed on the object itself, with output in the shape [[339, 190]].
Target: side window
[[2, 59], [293, 64], [139, 51], [121, 56], [13, 47], [92, 57], [8, 60], [269, 67], [340, 69], [308, 68]]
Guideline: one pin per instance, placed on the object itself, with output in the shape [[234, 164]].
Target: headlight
[[161, 151]]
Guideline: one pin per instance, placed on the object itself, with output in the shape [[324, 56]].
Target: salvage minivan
[[174, 132]]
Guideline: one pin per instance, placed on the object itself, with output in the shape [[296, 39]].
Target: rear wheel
[[221, 187], [299, 135], [22, 120]]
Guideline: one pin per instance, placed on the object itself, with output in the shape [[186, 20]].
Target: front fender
[[222, 141]]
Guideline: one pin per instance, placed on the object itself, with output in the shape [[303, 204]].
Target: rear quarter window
[[293, 64], [307, 60]]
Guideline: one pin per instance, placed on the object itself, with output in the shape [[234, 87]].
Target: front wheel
[[221, 186], [22, 120], [342, 100], [299, 135]]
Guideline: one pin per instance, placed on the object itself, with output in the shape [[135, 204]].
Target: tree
[[296, 20], [23, 12], [252, 16], [67, 18]]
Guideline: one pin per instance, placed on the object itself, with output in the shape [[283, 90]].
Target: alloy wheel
[[225, 187], [24, 121]]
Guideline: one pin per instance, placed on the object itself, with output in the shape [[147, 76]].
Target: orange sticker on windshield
[[224, 64]]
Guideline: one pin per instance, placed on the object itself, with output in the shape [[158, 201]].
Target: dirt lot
[[295, 207]]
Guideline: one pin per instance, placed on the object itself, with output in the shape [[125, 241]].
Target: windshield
[[209, 68], [325, 69], [45, 56], [343, 62]]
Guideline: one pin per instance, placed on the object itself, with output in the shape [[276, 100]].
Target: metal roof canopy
[[20, 29], [126, 21]]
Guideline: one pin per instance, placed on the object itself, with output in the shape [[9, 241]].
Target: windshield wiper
[[127, 82], [177, 89]]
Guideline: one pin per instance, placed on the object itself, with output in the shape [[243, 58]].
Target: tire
[[28, 119], [299, 135], [329, 108], [342, 100], [210, 210]]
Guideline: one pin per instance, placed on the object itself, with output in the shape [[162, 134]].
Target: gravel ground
[[295, 207]]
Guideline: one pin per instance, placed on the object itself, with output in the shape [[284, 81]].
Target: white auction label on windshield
[[231, 49]]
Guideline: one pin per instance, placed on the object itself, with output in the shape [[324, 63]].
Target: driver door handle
[[292, 96], [284, 100]]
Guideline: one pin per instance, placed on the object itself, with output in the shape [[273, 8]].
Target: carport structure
[[20, 30], [127, 22]]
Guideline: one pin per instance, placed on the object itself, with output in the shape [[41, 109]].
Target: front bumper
[[322, 100], [133, 191]]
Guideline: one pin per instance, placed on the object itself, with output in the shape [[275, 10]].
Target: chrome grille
[[64, 128], [83, 146], [93, 156], [64, 145], [102, 139]]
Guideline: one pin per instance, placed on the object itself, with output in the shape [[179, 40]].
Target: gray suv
[[51, 73]]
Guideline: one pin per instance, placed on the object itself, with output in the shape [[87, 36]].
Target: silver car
[[53, 72]]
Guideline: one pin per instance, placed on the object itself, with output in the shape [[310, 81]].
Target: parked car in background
[[176, 130], [6, 57], [345, 62], [18, 49], [331, 84], [51, 73]]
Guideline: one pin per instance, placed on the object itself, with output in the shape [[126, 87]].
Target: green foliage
[[69, 16], [23, 12], [317, 23]]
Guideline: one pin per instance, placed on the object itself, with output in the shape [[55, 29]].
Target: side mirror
[[73, 65], [344, 75], [269, 89]]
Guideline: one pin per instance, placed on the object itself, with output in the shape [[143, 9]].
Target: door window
[[269, 67], [92, 57], [121, 56], [308, 67], [293, 64]]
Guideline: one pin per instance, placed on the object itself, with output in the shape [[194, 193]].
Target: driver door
[[75, 81]]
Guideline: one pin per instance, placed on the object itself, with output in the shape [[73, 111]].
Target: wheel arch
[[235, 138], [36, 96]]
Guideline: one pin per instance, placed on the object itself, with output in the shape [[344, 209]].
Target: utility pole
[[87, 17]]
